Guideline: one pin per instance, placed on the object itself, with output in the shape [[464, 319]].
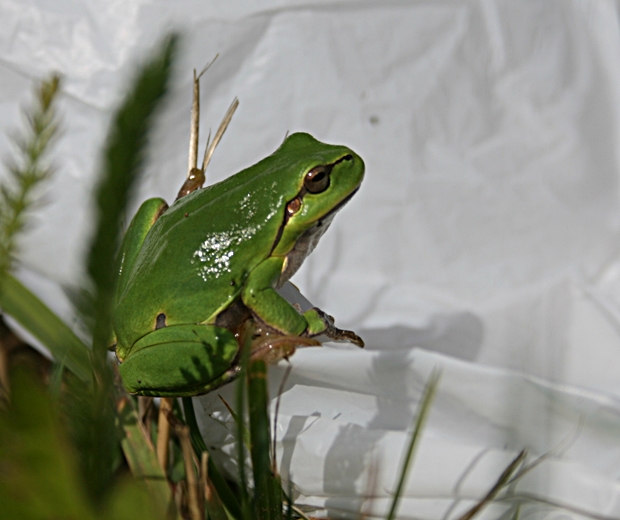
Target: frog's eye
[[317, 179]]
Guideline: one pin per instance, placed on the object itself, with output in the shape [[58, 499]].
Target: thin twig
[[513, 473], [372, 484], [561, 448], [180, 496], [502, 481]]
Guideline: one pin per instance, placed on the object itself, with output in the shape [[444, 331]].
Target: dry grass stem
[[204, 476], [195, 119], [180, 497], [503, 480], [209, 492], [195, 126], [163, 428], [219, 134], [195, 509], [144, 407]]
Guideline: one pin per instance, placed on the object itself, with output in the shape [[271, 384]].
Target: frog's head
[[326, 178]]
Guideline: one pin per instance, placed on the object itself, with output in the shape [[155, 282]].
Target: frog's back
[[195, 258]]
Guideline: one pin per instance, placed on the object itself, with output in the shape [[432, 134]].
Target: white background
[[485, 238]]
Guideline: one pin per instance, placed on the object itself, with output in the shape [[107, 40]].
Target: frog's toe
[[344, 335], [329, 329]]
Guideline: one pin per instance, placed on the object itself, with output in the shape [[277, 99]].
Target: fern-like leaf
[[28, 170]]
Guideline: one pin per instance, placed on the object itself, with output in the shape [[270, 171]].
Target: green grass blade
[[289, 501], [424, 408], [131, 499], [39, 477], [246, 345], [142, 458], [55, 384], [32, 314], [267, 489]]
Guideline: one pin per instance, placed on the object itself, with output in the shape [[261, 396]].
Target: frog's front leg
[[179, 360], [276, 313]]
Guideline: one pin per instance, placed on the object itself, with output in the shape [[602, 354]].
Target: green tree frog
[[191, 273]]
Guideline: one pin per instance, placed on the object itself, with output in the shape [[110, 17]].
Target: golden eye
[[317, 179]]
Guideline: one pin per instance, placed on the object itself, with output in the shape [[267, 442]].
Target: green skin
[[191, 273]]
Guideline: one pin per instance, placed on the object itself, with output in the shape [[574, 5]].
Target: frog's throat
[[304, 245], [307, 241]]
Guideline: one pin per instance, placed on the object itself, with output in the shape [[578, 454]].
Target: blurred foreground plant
[[83, 448], [69, 450]]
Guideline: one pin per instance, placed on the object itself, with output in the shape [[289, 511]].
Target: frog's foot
[[320, 322], [272, 348]]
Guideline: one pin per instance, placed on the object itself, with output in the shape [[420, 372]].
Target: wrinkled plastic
[[484, 239]]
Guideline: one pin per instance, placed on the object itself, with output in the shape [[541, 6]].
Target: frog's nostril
[[347, 158]]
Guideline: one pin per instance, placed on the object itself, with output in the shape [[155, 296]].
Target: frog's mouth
[[293, 207], [330, 214]]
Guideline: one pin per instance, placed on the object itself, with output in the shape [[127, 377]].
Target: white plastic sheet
[[484, 240]]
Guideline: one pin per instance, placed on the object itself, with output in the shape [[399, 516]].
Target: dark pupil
[[317, 179]]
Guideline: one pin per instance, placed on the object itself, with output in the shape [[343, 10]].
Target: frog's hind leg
[[179, 360]]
